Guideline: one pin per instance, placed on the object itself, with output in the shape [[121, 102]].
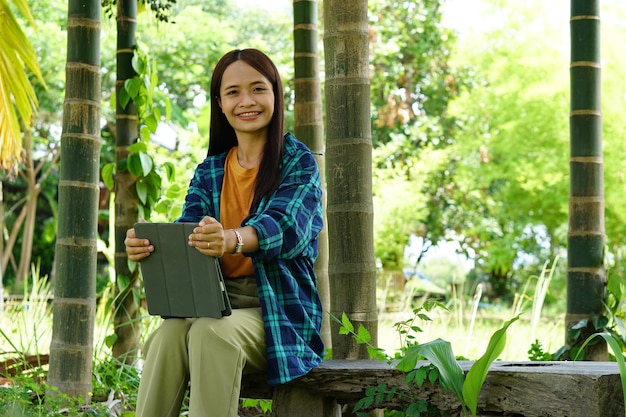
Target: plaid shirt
[[287, 225]]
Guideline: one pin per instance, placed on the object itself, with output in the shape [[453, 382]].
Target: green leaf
[[346, 324], [133, 86], [145, 133], [420, 375], [152, 123], [138, 63], [138, 147], [109, 340], [619, 357], [142, 192], [439, 353], [170, 171], [146, 163], [122, 282], [363, 335], [124, 98], [112, 100], [154, 78], [478, 372], [134, 165], [107, 175]]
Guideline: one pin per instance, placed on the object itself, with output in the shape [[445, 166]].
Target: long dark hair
[[222, 136]]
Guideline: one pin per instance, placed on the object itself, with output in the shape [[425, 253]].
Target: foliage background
[[469, 124]]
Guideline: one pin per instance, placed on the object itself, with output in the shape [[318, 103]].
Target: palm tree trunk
[[126, 310], [586, 276], [351, 265], [74, 305], [309, 126]]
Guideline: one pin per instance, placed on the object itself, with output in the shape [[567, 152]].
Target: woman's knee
[[171, 333]]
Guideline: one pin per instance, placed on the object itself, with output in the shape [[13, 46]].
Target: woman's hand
[[208, 237], [136, 248]]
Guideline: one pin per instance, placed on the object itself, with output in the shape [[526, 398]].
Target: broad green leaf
[[133, 86], [146, 163], [138, 147], [152, 123], [109, 340], [107, 175], [439, 353], [134, 165], [478, 372], [138, 63], [124, 98], [142, 192]]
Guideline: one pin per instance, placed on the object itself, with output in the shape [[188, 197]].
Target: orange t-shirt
[[235, 201]]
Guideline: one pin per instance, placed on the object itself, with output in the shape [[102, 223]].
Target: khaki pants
[[210, 353]]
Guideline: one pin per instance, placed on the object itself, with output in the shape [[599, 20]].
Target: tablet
[[178, 280]]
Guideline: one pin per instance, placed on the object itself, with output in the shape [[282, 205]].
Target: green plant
[[537, 354], [443, 367], [264, 406], [142, 89], [616, 346], [439, 353]]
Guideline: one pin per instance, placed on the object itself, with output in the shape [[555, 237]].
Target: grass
[[469, 323], [446, 326]]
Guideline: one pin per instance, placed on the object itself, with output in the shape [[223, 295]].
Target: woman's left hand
[[208, 237]]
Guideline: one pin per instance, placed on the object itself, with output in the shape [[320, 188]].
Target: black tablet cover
[[178, 280]]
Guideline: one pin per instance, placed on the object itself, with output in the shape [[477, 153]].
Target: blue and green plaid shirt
[[287, 225]]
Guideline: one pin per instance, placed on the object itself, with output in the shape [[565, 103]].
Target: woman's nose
[[247, 100]]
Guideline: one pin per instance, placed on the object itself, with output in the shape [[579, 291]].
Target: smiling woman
[[256, 201]]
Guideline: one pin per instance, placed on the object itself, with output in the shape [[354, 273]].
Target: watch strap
[[239, 244]]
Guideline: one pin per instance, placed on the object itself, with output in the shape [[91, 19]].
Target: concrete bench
[[521, 389]]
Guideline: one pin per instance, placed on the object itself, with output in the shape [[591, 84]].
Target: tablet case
[[178, 280]]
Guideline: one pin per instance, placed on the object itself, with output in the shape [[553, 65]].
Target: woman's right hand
[[136, 248]]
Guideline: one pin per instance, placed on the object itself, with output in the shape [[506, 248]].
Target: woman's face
[[246, 99]]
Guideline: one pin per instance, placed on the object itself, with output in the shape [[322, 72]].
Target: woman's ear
[[219, 101]]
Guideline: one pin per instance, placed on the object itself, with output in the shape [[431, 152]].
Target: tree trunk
[[309, 126], [351, 265], [586, 276], [126, 309], [32, 194], [74, 305]]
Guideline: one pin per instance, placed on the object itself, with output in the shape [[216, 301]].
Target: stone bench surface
[[522, 389]]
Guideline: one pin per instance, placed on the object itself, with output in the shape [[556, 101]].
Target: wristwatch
[[239, 245]]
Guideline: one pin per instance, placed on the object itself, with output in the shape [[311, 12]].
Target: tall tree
[[308, 123], [126, 201], [74, 305], [586, 276], [351, 265]]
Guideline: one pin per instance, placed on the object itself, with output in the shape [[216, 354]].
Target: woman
[[257, 201]]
